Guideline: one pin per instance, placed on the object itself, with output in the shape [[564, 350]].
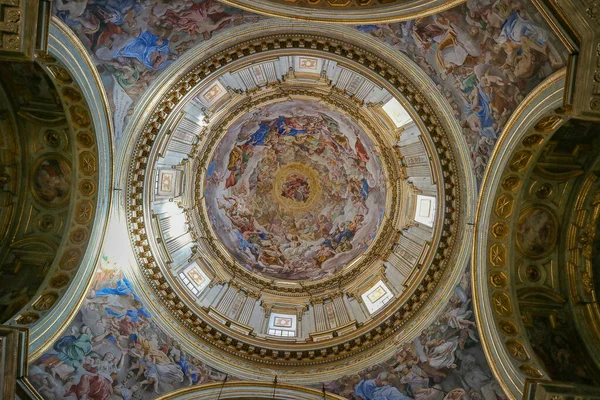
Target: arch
[[64, 45], [347, 12], [249, 390], [547, 97]]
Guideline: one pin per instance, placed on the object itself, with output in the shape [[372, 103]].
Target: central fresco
[[295, 190]]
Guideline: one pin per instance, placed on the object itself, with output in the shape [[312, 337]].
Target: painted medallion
[[537, 232], [295, 190], [52, 181]]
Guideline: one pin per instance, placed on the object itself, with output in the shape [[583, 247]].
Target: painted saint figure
[[152, 51]]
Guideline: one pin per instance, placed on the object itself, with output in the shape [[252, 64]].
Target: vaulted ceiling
[[331, 199]]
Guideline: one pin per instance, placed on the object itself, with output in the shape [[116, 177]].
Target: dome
[[293, 204], [295, 190]]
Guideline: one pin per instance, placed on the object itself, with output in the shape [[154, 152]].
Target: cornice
[[348, 12]]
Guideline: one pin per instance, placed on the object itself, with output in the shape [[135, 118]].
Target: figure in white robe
[[442, 355]]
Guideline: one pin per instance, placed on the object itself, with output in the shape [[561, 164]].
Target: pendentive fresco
[[114, 349], [445, 362]]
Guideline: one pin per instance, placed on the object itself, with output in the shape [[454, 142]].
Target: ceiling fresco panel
[[485, 56], [293, 191], [302, 172]]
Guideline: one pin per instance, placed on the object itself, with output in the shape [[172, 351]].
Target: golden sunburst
[[311, 177]]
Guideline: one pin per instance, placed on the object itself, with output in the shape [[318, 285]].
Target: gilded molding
[[251, 389], [346, 11], [95, 158], [495, 305]]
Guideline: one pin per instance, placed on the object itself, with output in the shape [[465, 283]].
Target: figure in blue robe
[[347, 234], [124, 288], [120, 6], [258, 137], [364, 190], [284, 129], [483, 113], [210, 169], [373, 390], [244, 244], [147, 48], [367, 28], [72, 349], [133, 314], [188, 369], [515, 27], [389, 393], [366, 389]]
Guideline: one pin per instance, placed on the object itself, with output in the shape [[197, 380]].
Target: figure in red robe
[[361, 151]]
